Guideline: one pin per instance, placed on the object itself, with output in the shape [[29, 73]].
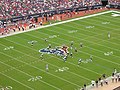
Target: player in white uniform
[[71, 54], [91, 57], [93, 83], [109, 35], [41, 56], [49, 45], [47, 68], [81, 45], [32, 43], [79, 61], [65, 58], [75, 49], [46, 39], [71, 43]]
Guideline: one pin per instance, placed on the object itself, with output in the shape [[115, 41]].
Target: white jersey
[[93, 82], [115, 71], [109, 35], [47, 67]]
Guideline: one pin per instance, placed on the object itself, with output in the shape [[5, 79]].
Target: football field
[[23, 68]]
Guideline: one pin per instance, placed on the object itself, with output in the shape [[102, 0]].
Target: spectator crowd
[[114, 2], [14, 8], [18, 8]]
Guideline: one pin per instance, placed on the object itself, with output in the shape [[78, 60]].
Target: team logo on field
[[60, 50]]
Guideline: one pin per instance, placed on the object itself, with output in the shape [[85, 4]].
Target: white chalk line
[[56, 23]]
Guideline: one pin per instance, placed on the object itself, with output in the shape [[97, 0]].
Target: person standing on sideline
[[93, 83]]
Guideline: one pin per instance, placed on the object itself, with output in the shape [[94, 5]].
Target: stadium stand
[[14, 8], [20, 13], [15, 12], [114, 4]]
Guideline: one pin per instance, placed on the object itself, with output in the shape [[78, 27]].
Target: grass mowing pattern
[[23, 62]]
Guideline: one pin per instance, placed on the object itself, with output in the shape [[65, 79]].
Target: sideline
[[110, 85], [62, 22]]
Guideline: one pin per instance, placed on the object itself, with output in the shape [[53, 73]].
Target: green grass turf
[[23, 62]]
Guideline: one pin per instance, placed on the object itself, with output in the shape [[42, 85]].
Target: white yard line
[[105, 26], [77, 74], [37, 51], [90, 41], [99, 44], [88, 54], [33, 29], [109, 79], [29, 75], [59, 23], [20, 66], [72, 72], [69, 71], [83, 39], [84, 34], [42, 70], [116, 11], [70, 63], [110, 17], [84, 52], [16, 81], [19, 57], [78, 39], [10, 69], [83, 68], [86, 40]]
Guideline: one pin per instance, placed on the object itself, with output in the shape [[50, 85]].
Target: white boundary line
[[29, 76], [42, 70], [86, 35], [35, 50], [109, 79], [59, 23], [67, 41], [43, 27]]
